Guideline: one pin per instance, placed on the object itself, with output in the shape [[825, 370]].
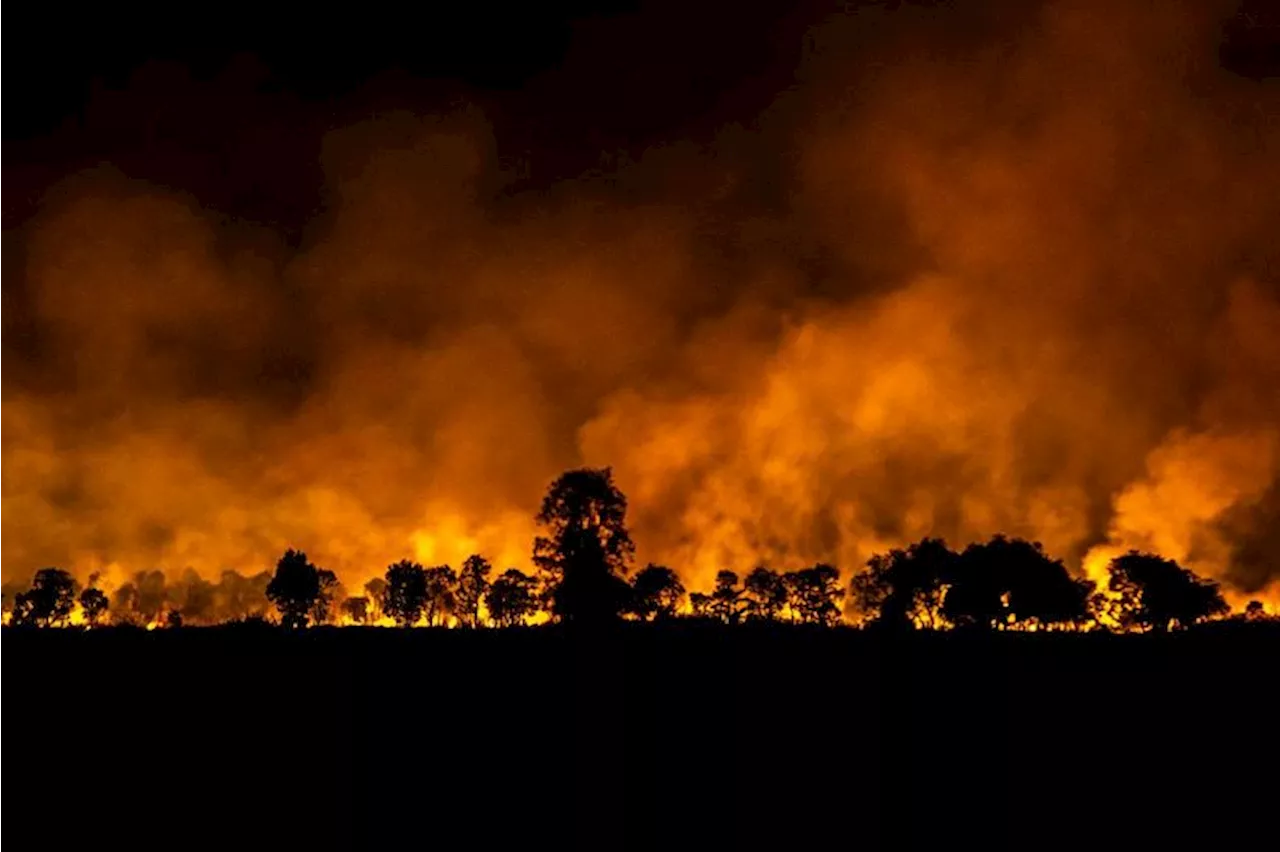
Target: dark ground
[[649, 738]]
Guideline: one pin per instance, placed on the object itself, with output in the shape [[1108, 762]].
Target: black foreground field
[[647, 737]]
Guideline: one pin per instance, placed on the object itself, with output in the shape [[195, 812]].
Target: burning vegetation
[[1001, 268], [584, 561]]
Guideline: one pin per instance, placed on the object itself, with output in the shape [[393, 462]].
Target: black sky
[[232, 107]]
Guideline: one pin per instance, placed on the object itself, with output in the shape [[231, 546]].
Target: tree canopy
[[473, 583], [1157, 594], [586, 550], [49, 601], [656, 592], [404, 595], [512, 598], [299, 590]]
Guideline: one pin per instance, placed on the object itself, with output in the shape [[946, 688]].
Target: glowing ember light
[[995, 294]]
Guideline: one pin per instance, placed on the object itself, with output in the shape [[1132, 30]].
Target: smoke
[[1009, 270], [148, 596]]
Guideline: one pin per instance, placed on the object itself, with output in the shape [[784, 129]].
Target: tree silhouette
[[124, 609], [1041, 591], [1254, 611], [700, 605], [814, 594], [405, 595], [587, 549], [903, 588], [329, 589], [1155, 593], [356, 609], [243, 596], [25, 610], [299, 590], [93, 603], [441, 582], [656, 592], [142, 600], [473, 583], [976, 588], [765, 594], [1013, 582], [49, 601], [512, 598], [173, 619], [375, 591], [726, 603]]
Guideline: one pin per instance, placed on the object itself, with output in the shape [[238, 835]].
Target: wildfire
[[993, 292]]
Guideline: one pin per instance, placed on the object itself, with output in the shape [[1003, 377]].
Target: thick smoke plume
[[972, 273]]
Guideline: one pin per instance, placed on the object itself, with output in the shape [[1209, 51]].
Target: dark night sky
[[233, 108], [229, 106]]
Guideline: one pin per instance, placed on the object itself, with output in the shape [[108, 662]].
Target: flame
[[1018, 282]]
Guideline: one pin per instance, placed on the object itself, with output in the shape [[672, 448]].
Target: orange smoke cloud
[[1013, 276]]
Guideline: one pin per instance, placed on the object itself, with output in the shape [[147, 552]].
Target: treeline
[[582, 575]]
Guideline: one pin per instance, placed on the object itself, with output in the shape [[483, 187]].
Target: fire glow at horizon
[[1030, 292]]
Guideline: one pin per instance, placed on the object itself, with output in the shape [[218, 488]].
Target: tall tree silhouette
[[93, 603], [765, 594], [587, 549], [405, 595], [814, 594], [473, 582], [904, 587], [49, 601], [512, 598], [726, 598], [441, 585], [299, 590], [656, 592], [1156, 593]]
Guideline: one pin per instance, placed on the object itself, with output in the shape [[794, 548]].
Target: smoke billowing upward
[[954, 273]]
